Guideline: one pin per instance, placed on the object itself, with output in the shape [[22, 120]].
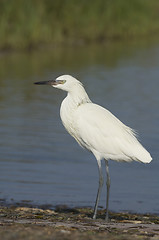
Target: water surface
[[40, 162]]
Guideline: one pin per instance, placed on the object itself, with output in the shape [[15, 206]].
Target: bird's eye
[[61, 81]]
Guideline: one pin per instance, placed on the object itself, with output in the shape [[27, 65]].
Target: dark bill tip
[[51, 82]]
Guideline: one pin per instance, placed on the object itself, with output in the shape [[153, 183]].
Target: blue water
[[41, 163]]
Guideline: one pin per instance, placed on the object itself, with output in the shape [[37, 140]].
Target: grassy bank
[[29, 24]]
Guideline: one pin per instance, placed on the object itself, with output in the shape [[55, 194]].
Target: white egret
[[97, 129]]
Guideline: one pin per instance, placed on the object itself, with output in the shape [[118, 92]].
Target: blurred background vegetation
[[27, 24]]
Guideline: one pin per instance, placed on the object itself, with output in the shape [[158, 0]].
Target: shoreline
[[74, 223]]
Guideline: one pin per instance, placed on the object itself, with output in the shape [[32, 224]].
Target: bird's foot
[[94, 216], [107, 219]]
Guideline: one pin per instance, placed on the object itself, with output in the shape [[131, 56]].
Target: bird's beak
[[50, 82]]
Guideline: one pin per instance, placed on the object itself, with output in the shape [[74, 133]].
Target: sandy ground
[[29, 223]]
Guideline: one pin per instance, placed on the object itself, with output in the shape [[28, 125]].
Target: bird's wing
[[99, 130]]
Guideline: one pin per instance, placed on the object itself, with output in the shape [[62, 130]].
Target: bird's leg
[[99, 188], [108, 187]]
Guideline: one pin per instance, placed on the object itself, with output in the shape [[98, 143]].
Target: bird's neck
[[78, 96], [75, 98]]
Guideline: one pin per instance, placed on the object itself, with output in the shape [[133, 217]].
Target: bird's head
[[64, 82]]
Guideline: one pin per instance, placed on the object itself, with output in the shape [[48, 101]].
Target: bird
[[96, 129]]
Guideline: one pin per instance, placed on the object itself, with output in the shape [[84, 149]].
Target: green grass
[[32, 23]]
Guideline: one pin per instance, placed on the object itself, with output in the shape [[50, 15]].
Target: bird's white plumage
[[106, 136], [97, 129]]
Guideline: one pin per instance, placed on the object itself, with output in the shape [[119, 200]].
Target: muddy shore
[[19, 222]]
